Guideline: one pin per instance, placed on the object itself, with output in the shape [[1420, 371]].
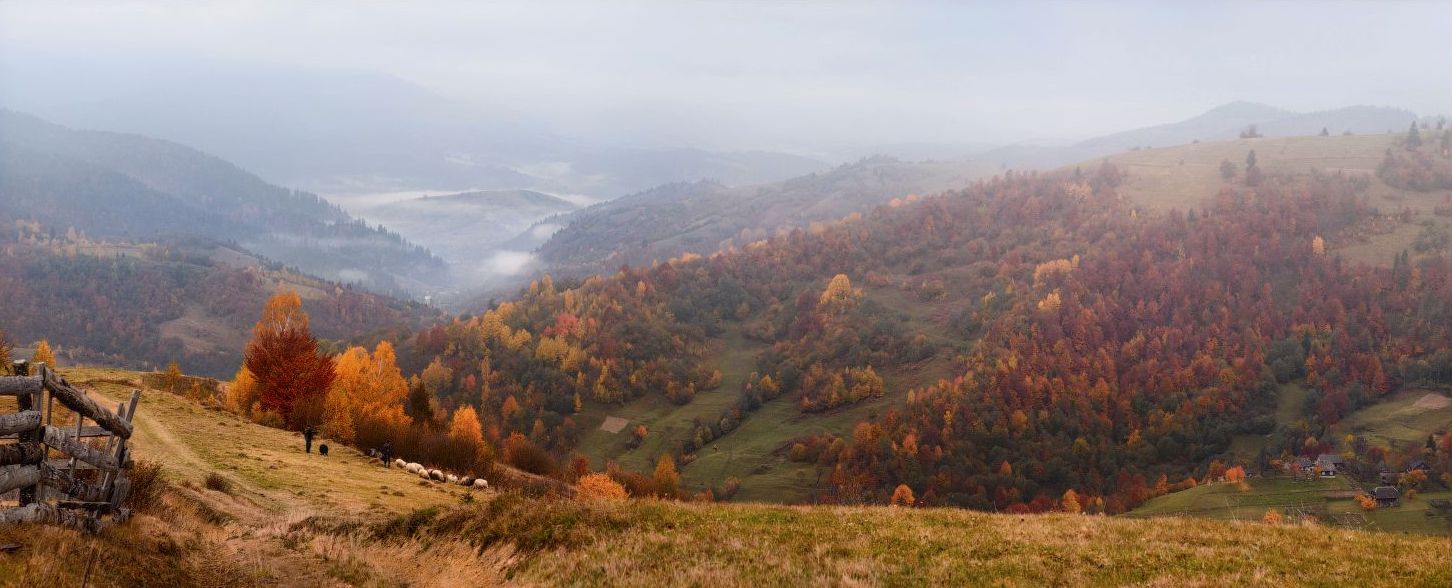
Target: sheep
[[422, 473], [413, 467], [452, 479], [481, 484], [466, 481], [436, 475], [398, 463]]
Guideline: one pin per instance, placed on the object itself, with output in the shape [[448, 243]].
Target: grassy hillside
[[1185, 177], [289, 519], [1330, 501], [1401, 420], [755, 454]]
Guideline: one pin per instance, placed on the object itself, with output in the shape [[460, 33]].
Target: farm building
[[1329, 463], [1387, 496]]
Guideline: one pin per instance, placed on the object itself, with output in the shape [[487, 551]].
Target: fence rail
[[68, 475]]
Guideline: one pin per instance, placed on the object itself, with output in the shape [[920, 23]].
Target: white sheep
[[414, 467], [398, 463], [436, 475], [422, 473], [466, 481], [481, 484], [452, 479]]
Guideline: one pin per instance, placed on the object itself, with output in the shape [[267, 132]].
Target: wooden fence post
[[24, 465], [27, 402]]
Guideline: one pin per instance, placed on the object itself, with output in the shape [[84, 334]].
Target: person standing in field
[[308, 439], [387, 453]]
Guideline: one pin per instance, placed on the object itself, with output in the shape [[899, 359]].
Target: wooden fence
[[66, 474]]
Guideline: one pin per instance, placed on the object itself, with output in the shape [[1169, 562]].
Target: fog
[[817, 79], [531, 112]]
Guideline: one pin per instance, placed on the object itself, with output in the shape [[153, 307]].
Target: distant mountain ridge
[[115, 185], [1220, 123], [346, 131]]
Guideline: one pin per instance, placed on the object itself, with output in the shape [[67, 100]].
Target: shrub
[[218, 482], [599, 487], [147, 485], [521, 453]]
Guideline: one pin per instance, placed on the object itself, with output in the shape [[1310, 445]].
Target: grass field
[[1330, 500], [1183, 177], [1400, 420], [671, 544]]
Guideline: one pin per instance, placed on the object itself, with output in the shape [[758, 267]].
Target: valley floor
[[291, 519]]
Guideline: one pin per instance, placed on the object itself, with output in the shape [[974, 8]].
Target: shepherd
[[308, 439], [387, 453]]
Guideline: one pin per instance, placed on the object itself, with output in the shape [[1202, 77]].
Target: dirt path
[[272, 487]]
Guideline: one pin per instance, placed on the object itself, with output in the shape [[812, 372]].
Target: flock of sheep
[[436, 475]]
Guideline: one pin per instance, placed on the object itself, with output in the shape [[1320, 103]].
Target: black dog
[[323, 449]]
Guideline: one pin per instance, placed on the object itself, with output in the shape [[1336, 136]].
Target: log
[[21, 453], [75, 400], [45, 513], [17, 385], [86, 433], [18, 422], [18, 476], [84, 505], [24, 402], [64, 441]]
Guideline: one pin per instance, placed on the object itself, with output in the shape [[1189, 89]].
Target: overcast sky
[[805, 75]]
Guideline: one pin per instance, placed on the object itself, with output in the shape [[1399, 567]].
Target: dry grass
[[644, 543], [296, 520]]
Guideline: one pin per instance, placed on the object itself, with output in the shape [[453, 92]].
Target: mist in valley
[[384, 108]]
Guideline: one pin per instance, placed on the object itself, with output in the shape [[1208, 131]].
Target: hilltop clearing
[[1188, 177]]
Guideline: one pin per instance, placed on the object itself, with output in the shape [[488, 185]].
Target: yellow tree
[[338, 420], [365, 402], [1070, 502], [172, 377], [839, 293], [242, 392], [667, 481], [283, 311], [43, 354], [466, 437], [902, 496]]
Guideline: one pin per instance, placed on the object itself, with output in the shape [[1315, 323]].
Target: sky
[[800, 76]]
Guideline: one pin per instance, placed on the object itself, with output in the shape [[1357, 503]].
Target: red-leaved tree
[[290, 373]]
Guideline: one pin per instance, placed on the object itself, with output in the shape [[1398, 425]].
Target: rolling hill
[[277, 517], [703, 217], [1185, 177], [143, 304], [112, 185], [1116, 327]]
